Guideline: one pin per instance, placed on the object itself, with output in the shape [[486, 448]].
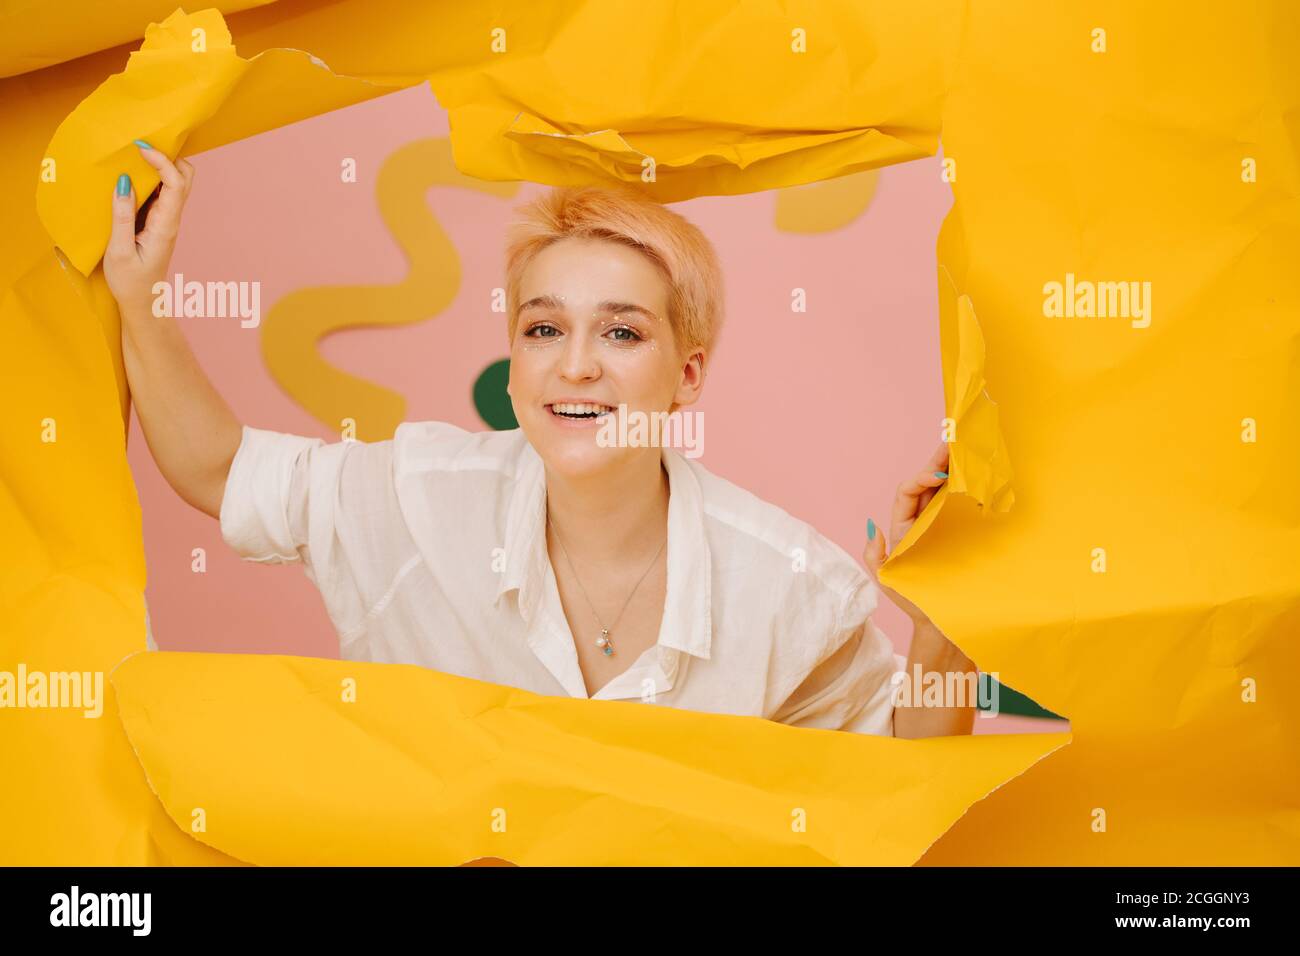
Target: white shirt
[[430, 549]]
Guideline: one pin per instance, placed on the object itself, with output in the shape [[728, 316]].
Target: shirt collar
[[688, 619]]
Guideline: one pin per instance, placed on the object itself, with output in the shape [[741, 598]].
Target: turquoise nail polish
[[140, 142], [124, 185], [871, 530], [941, 474]]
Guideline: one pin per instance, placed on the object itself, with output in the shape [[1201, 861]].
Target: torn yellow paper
[[680, 164], [35, 34], [71, 588], [214, 105], [1144, 583], [752, 125], [172, 95], [979, 464], [289, 761], [704, 98]]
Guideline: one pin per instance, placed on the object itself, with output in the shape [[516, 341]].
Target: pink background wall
[[822, 412]]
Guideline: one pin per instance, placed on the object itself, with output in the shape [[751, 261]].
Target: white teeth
[[580, 408]]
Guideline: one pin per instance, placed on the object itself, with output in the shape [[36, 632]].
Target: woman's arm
[[936, 654], [931, 651], [191, 431]]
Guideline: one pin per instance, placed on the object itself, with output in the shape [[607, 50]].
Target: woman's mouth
[[579, 412]]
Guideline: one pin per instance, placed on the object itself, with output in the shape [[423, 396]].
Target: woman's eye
[[535, 331], [632, 335]]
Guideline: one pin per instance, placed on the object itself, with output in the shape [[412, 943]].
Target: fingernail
[[871, 530], [124, 185], [941, 474], [140, 142]]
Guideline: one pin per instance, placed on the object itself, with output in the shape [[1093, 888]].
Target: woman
[[541, 557]]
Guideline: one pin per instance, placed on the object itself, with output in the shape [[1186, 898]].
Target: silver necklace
[[603, 642]]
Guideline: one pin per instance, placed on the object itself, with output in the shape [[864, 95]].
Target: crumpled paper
[[1144, 581], [35, 34], [300, 761], [979, 463], [185, 86], [72, 579], [751, 123]]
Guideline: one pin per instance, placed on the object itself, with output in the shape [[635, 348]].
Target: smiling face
[[593, 330]]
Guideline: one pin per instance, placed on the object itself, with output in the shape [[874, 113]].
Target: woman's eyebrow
[[549, 301], [609, 306]]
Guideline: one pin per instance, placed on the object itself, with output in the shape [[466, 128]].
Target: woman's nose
[[579, 361]]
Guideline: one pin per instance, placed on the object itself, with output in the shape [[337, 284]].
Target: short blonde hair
[[620, 213]]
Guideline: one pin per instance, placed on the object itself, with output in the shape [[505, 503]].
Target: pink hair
[[620, 213]]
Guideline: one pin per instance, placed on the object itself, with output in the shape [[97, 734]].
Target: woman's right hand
[[133, 262]]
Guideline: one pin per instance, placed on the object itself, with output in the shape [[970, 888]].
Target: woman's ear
[[692, 381]]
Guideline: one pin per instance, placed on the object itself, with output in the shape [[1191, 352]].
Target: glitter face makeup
[[591, 335]]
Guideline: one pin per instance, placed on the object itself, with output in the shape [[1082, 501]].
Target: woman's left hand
[[910, 500]]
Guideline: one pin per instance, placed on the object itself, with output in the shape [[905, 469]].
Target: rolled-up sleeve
[[853, 688], [290, 498], [264, 511]]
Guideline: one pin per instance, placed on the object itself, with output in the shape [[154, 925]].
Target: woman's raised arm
[[191, 431]]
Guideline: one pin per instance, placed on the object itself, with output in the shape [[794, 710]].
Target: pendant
[[604, 643]]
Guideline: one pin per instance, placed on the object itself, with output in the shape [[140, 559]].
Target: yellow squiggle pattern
[[296, 323]]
